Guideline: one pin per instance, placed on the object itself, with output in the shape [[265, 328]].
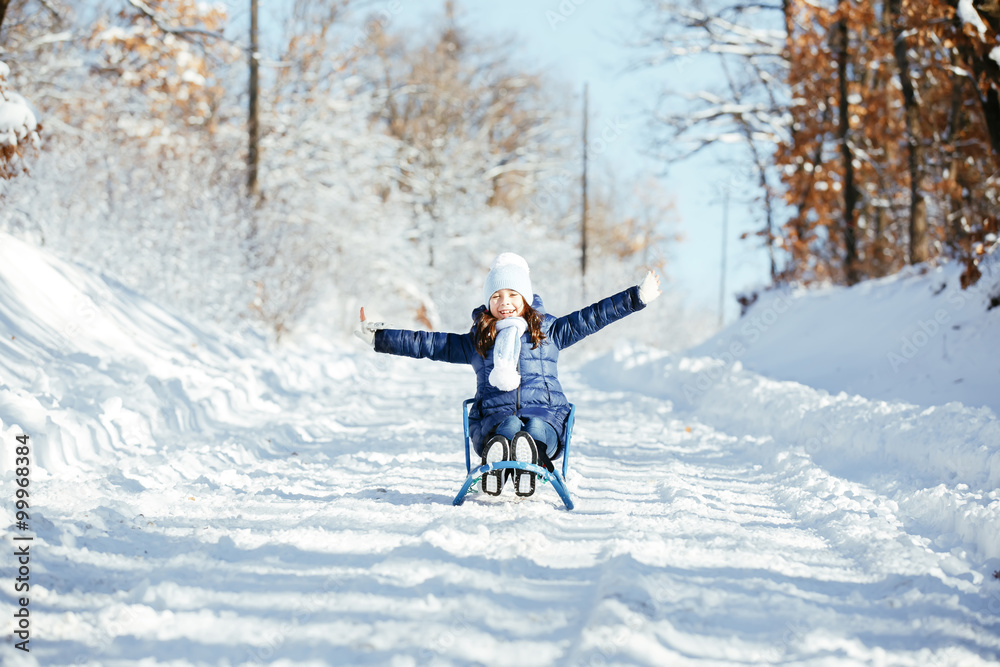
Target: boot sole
[[492, 482], [524, 449]]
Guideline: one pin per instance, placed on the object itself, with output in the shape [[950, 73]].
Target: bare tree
[[747, 42], [469, 124]]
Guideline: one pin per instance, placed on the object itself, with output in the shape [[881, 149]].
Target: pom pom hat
[[508, 271]]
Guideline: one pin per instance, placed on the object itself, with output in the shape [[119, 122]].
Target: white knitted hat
[[508, 271]]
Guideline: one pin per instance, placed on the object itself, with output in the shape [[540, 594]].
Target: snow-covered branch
[[18, 128], [181, 31]]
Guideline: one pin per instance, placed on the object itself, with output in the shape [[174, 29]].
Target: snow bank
[[847, 433], [87, 366], [943, 461], [891, 384], [916, 337]]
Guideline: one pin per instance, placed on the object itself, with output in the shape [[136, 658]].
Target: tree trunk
[[253, 124], [769, 214], [786, 11], [954, 229], [3, 10], [799, 222], [918, 205], [843, 132], [991, 110], [983, 67]]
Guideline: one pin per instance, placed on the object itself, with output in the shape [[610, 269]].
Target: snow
[[917, 337], [18, 125], [17, 122], [968, 14], [777, 495]]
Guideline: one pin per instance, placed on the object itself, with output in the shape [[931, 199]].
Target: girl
[[520, 411]]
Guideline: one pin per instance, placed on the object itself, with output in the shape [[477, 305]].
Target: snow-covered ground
[[916, 336], [200, 499]]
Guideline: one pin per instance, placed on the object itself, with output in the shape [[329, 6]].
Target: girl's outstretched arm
[[574, 327], [435, 345]]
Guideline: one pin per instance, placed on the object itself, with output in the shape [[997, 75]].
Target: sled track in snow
[[322, 533]]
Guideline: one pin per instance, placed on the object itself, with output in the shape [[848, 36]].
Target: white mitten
[[366, 330], [649, 288]]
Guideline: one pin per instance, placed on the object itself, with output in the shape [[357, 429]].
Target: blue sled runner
[[557, 480]]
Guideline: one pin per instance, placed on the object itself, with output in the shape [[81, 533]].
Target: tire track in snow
[[801, 536], [323, 534]]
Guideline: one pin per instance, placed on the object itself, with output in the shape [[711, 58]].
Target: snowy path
[[320, 531], [202, 499]]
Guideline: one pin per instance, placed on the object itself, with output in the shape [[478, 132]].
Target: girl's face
[[506, 303]]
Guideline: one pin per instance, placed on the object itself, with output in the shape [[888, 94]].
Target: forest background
[[392, 164]]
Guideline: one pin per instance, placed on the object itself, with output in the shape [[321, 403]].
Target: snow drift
[[916, 336], [877, 383]]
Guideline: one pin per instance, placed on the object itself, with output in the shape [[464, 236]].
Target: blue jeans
[[543, 434]]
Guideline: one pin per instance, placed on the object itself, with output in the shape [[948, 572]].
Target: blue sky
[[579, 41]]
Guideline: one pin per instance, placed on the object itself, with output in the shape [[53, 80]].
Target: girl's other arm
[[574, 327]]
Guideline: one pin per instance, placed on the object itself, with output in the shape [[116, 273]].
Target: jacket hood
[[536, 303]]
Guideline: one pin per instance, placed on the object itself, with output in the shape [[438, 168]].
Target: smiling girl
[[520, 410]]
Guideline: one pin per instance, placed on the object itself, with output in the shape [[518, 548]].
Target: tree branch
[[180, 31]]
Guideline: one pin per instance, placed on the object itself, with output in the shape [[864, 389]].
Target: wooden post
[[583, 217]]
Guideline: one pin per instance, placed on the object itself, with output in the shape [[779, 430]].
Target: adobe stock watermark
[[927, 329], [910, 345], [794, 633], [444, 641], [271, 642], [562, 12], [603, 652], [376, 22], [106, 633], [755, 326], [84, 315], [566, 180], [822, 437], [607, 648]]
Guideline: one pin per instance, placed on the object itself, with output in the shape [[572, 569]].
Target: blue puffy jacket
[[540, 394]]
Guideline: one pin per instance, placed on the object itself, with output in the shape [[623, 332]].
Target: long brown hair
[[484, 331]]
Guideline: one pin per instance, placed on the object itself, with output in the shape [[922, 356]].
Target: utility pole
[[583, 217], [253, 124], [725, 235]]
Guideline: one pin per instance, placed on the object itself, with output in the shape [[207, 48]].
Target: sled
[[557, 480]]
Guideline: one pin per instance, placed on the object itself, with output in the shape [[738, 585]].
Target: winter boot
[[496, 449], [523, 448], [544, 460]]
